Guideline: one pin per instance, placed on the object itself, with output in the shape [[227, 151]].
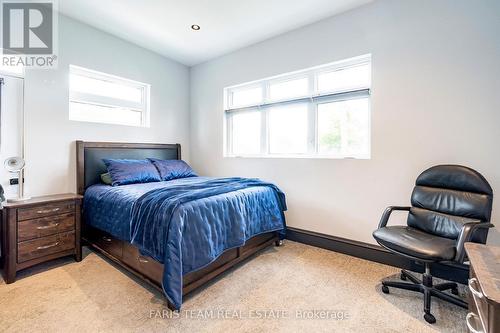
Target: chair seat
[[416, 243]]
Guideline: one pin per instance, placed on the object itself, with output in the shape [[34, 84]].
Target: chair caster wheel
[[454, 291], [278, 242], [402, 277], [385, 289], [429, 318]]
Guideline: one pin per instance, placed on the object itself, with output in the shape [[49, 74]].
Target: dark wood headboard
[[89, 155]]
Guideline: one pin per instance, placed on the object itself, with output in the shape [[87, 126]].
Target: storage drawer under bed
[[105, 241], [148, 267]]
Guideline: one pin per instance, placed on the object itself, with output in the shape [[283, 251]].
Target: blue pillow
[[131, 171], [173, 169]]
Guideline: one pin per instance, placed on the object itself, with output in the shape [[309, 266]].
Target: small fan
[[16, 165]]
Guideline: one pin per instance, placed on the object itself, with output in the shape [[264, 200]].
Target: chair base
[[425, 287]]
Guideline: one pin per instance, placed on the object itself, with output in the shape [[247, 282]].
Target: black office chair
[[450, 205]]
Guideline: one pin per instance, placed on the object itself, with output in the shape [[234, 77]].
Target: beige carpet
[[282, 284]]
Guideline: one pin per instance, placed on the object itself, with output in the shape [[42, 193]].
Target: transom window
[[322, 111], [103, 98]]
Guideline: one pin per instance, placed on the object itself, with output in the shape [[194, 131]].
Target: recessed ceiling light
[[195, 27]]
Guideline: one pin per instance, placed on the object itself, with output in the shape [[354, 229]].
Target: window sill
[[107, 123], [287, 156]]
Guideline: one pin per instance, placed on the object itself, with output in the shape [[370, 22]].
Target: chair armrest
[[387, 213], [465, 236]]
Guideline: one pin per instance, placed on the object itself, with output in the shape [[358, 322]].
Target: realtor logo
[[28, 33], [27, 28]]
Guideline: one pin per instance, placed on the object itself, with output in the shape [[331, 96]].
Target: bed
[[199, 226]]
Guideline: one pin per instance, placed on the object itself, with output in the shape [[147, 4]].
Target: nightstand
[[39, 229]]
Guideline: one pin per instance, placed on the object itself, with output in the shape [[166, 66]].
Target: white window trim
[[313, 99], [98, 100]]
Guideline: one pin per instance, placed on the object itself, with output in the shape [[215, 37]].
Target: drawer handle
[[47, 246], [43, 227], [46, 211], [469, 325], [142, 259], [475, 292], [106, 239]]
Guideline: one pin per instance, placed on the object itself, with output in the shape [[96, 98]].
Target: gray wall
[[436, 84], [50, 134]]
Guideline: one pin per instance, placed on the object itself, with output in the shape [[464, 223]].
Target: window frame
[[313, 99], [111, 102]]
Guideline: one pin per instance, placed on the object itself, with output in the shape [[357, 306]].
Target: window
[[246, 97], [292, 138], [288, 89], [103, 98], [247, 125], [318, 112], [343, 127]]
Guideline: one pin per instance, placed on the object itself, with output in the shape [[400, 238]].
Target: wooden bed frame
[[89, 166]]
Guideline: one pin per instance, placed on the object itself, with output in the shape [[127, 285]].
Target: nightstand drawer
[[45, 210], [45, 226], [40, 247]]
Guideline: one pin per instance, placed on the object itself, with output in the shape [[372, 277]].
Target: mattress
[[109, 208]]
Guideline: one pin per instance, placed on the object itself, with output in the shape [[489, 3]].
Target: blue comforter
[[187, 224]]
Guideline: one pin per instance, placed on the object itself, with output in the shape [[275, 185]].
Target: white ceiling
[[226, 25]]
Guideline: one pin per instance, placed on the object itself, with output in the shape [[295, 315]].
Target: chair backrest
[[447, 196]]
